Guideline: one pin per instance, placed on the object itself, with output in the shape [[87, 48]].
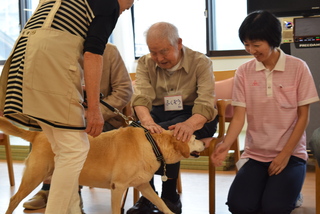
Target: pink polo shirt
[[271, 99]]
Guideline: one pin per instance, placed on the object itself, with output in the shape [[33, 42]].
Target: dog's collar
[[155, 148]]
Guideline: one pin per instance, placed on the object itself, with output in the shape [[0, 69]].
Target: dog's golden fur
[[117, 160]]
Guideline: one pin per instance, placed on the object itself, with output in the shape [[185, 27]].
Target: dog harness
[[130, 121]]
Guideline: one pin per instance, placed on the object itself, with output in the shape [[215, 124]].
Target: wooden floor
[[194, 195]]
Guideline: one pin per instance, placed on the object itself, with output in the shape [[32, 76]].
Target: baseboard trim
[[17, 152], [21, 152]]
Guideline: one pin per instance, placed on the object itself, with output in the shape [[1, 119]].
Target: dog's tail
[[8, 128]]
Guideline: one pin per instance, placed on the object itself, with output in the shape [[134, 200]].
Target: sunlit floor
[[194, 195]]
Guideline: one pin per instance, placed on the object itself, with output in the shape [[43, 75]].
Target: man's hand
[[153, 127], [182, 131]]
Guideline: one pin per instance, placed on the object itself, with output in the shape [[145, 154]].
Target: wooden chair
[[5, 141], [132, 76], [317, 189], [223, 89], [222, 75]]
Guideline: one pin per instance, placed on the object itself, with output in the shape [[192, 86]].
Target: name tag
[[173, 103]]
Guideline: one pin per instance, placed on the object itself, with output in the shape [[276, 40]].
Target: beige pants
[[70, 149]]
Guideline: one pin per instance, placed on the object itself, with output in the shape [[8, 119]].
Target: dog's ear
[[180, 146]]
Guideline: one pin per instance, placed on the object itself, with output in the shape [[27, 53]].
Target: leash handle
[[127, 119]]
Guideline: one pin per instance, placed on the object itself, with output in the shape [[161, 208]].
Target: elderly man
[[174, 90]]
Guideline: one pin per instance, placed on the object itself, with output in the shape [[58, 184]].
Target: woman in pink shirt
[[273, 91]]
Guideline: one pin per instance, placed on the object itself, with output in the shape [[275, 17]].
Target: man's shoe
[[299, 200], [175, 207], [38, 201], [81, 203], [143, 206]]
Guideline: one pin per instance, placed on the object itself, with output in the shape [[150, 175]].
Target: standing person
[[116, 88], [41, 84], [274, 91], [174, 90]]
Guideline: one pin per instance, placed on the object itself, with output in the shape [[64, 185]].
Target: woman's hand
[[219, 154], [278, 164]]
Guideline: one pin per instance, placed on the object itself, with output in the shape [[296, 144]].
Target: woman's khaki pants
[[70, 149]]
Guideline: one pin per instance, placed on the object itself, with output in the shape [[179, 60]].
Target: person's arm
[[146, 120], [115, 84], [184, 130], [282, 159], [203, 110], [235, 127], [92, 76], [144, 94]]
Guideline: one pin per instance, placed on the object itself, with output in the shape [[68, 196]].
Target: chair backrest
[[223, 90], [222, 75], [132, 76]]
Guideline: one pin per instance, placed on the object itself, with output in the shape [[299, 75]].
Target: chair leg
[[6, 141], [212, 188], [179, 183], [136, 193], [212, 182], [317, 189]]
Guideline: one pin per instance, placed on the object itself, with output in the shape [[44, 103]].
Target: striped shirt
[[71, 17]]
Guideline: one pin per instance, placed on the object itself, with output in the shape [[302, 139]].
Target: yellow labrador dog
[[117, 160]]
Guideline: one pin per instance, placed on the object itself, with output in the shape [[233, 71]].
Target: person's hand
[[182, 131], [278, 164], [95, 122], [153, 128], [219, 154]]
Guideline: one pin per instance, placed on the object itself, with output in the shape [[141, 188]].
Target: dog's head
[[174, 150]]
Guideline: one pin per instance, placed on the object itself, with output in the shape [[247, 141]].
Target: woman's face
[[260, 49]]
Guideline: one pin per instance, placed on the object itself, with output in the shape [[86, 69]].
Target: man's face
[[125, 5], [165, 54]]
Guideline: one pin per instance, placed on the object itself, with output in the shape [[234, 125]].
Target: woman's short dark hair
[[261, 25]]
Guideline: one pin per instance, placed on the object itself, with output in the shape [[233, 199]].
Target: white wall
[[219, 63], [228, 63]]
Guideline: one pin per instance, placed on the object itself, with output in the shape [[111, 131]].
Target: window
[[187, 16], [9, 19], [13, 15], [207, 26], [224, 20]]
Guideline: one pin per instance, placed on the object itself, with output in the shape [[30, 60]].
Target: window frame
[[23, 17], [210, 5], [210, 30]]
